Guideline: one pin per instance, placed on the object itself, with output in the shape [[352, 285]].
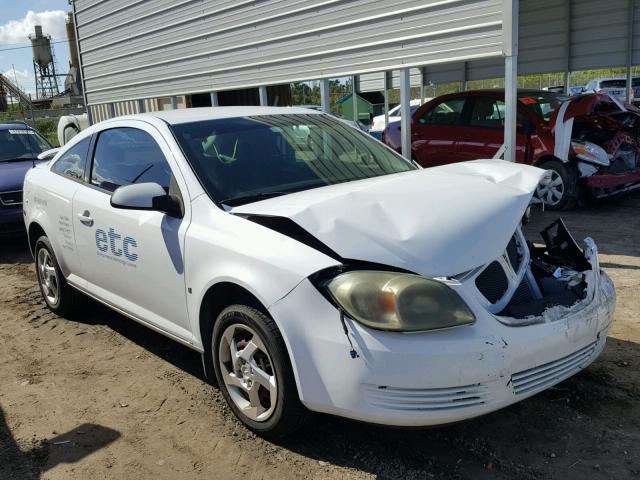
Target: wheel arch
[[218, 297], [547, 158], [34, 232]]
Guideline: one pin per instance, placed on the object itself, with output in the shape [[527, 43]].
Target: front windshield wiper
[[254, 197]]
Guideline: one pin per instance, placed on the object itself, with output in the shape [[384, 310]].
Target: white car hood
[[439, 221]]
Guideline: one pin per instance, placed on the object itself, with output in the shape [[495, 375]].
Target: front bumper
[[11, 221], [438, 377], [607, 184]]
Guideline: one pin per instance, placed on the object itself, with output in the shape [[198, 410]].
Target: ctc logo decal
[[119, 246]]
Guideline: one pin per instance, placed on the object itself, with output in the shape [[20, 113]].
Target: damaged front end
[[604, 142], [532, 284]]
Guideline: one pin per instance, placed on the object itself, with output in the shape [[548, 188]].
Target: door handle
[[85, 218]]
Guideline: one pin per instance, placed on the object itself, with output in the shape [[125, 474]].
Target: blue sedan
[[20, 146]]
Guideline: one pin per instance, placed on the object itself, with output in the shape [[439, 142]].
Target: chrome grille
[[493, 282], [11, 199], [544, 376], [425, 399]]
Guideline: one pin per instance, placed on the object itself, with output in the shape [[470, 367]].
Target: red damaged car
[[591, 143]]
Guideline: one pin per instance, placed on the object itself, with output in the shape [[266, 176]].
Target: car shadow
[[181, 356], [70, 447], [15, 250]]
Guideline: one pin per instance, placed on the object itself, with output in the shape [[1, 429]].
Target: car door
[[435, 130], [56, 200], [482, 133], [132, 259]]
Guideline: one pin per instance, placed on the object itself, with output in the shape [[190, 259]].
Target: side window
[[127, 155], [487, 112], [445, 113], [72, 163]]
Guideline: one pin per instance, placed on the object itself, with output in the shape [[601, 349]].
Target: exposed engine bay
[[558, 276], [609, 141]]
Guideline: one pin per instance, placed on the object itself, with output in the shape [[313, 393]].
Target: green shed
[[370, 104]]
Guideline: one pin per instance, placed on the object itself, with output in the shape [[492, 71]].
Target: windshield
[[240, 160], [542, 103], [21, 144], [616, 83]]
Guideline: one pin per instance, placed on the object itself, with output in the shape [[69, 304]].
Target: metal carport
[[133, 50]]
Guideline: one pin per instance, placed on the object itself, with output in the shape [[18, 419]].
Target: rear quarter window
[[72, 163]]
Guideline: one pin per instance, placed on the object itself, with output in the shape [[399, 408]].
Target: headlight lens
[[399, 301], [590, 152]]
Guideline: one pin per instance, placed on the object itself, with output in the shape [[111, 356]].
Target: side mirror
[[147, 196], [48, 154]]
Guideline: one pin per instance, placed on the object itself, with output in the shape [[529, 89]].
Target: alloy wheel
[[248, 372], [48, 276]]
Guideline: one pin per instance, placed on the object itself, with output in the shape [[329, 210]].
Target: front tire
[[59, 297], [561, 191], [254, 373]]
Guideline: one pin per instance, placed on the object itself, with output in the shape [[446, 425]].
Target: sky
[[17, 19]]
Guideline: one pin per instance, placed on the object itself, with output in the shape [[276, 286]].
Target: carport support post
[[174, 103], [325, 99], [510, 48], [405, 112], [264, 98], [423, 84], [567, 51], [387, 78], [354, 98], [630, 19], [214, 99]]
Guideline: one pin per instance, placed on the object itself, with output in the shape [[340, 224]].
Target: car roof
[[186, 115], [605, 79], [14, 126]]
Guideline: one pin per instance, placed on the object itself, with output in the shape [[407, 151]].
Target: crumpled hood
[[439, 221], [586, 105]]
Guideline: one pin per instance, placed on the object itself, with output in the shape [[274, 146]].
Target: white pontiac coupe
[[333, 276]]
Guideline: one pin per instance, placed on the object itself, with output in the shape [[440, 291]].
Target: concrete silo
[[44, 67]]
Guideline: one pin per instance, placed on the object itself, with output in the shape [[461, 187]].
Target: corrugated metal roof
[[139, 49]]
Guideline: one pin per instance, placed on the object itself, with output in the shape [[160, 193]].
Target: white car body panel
[[438, 222], [378, 125]]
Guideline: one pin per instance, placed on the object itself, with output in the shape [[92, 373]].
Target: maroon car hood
[[596, 105]]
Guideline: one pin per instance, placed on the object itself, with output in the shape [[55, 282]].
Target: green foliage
[[48, 128]]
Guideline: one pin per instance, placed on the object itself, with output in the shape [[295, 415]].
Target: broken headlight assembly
[[398, 301], [590, 152]]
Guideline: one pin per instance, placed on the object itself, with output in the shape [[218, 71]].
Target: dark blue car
[[19, 148]]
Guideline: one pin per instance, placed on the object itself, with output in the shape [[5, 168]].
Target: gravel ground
[[99, 396]]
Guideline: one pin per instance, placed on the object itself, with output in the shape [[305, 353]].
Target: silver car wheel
[[248, 372], [551, 189], [48, 276]]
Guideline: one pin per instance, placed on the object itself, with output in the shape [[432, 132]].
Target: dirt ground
[[102, 397]]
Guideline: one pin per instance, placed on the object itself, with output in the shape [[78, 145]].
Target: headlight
[[590, 152], [399, 301]]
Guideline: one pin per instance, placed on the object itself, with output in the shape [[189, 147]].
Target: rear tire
[[59, 297], [561, 191], [254, 372]]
